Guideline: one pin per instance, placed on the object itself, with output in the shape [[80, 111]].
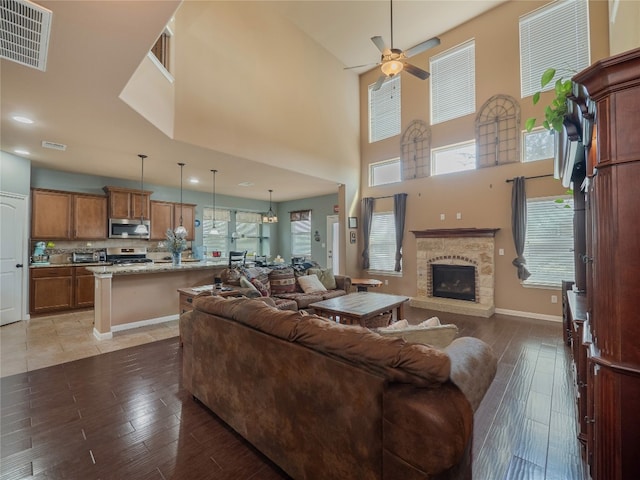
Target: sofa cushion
[[325, 276], [259, 286], [430, 322], [311, 284], [282, 281], [303, 299], [244, 282], [439, 336]]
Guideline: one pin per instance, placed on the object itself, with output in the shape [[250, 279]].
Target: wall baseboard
[[144, 323], [537, 316]]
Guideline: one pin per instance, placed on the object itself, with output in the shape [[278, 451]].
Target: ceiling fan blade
[[422, 47], [379, 83], [418, 72], [361, 66], [379, 42]]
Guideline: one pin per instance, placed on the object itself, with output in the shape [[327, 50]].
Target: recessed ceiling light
[[245, 184], [194, 180], [21, 152], [22, 119]]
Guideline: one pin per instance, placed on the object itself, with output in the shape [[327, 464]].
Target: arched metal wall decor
[[498, 132], [416, 151]]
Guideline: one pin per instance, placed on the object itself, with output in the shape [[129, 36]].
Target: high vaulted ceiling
[[96, 46]]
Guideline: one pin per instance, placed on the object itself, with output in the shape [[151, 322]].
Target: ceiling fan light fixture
[[392, 67]]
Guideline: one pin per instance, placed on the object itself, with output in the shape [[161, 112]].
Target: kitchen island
[[131, 296]]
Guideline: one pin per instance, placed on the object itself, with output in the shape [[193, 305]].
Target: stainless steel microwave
[[126, 228]]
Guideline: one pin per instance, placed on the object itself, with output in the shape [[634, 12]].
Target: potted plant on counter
[[176, 243]]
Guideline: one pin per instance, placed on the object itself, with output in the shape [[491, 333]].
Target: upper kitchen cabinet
[[89, 216], [57, 215], [166, 215], [128, 203], [51, 214]]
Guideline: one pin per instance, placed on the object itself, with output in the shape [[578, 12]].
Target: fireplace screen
[[454, 281]]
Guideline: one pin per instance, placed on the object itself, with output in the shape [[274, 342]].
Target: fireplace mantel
[[455, 232]]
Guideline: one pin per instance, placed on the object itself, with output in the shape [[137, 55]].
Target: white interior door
[[12, 258], [333, 243]]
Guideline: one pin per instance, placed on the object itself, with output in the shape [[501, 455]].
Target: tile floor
[[50, 340]]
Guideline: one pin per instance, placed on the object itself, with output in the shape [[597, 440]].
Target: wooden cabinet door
[[188, 213], [90, 216], [140, 205], [119, 204], [51, 289], [50, 215], [84, 288], [161, 219]]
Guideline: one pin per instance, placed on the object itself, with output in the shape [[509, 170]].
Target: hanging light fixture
[[142, 228], [214, 230], [180, 230], [270, 217]]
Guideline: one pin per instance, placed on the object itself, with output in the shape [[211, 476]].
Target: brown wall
[[481, 196]]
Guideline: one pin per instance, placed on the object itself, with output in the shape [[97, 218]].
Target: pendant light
[[180, 230], [270, 217], [141, 229], [214, 230]]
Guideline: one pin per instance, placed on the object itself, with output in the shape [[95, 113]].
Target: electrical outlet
[[501, 251], [442, 216], [458, 216], [386, 282], [554, 299]]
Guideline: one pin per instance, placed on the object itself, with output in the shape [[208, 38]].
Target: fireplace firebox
[[454, 281]]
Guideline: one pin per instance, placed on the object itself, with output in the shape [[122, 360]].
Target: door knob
[[19, 265]]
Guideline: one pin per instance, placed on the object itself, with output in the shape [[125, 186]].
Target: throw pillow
[[326, 277], [430, 322], [260, 287], [311, 284], [244, 282], [400, 324], [282, 281]]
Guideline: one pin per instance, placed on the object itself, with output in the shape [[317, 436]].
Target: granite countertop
[[68, 264], [157, 267]]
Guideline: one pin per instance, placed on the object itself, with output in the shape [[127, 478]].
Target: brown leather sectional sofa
[[330, 401]]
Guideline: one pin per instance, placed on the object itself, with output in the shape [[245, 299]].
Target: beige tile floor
[[54, 339]]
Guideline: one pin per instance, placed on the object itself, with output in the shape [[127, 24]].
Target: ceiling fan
[[393, 60]]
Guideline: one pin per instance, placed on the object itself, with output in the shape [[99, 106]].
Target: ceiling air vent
[[54, 146], [24, 33]]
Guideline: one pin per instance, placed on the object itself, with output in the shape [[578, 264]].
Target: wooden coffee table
[[360, 307]]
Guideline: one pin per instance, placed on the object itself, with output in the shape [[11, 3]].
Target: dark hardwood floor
[[124, 415]]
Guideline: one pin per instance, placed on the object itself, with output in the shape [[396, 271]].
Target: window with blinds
[[549, 242], [382, 242], [300, 233], [453, 83], [219, 242], [554, 36], [382, 173], [384, 110], [248, 229]]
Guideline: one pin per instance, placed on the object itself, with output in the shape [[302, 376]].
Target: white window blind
[[555, 36], [248, 229], [384, 110], [549, 242], [382, 242], [218, 242], [453, 83], [381, 173], [301, 233]]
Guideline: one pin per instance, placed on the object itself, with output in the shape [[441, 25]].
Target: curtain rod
[[385, 196], [509, 180]]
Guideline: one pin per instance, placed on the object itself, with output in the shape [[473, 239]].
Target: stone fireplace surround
[[460, 246]]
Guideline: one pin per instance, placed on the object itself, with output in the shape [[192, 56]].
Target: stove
[[127, 255]]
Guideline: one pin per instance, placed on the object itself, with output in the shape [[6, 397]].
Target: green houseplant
[[555, 112]]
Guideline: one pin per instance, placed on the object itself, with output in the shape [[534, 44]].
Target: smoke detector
[[25, 30]]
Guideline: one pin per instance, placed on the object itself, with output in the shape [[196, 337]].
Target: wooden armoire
[[606, 316]]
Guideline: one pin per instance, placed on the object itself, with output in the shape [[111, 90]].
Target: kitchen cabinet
[[57, 215], [128, 203], [51, 214], [89, 217], [166, 215], [50, 289], [55, 289]]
